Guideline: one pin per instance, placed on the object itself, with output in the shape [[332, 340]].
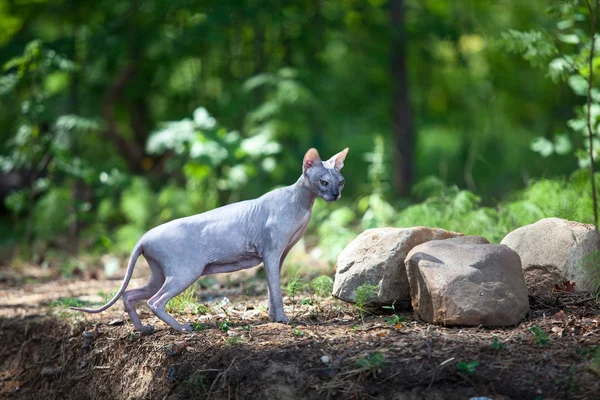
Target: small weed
[[246, 328], [307, 302], [132, 335], [232, 341], [395, 320], [199, 326], [355, 328], [371, 362], [67, 302], [591, 264], [596, 357], [299, 333], [224, 325], [322, 286], [364, 294], [184, 302], [540, 336], [468, 367], [294, 286], [60, 308], [497, 345], [108, 296], [196, 384]]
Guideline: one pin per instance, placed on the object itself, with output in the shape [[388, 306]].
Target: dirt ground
[[326, 352]]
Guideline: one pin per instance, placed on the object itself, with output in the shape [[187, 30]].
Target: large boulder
[[555, 250], [376, 257], [467, 281]]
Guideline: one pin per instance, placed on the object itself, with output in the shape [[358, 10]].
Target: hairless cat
[[229, 238]]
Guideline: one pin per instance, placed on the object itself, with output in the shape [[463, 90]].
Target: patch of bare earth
[[326, 352]]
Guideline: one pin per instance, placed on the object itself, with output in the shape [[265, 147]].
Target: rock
[[174, 349], [566, 249], [376, 257], [465, 281], [541, 279]]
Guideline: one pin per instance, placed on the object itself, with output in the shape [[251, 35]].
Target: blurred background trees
[[118, 115]]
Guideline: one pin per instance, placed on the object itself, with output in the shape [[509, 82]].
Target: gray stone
[[567, 249], [465, 281], [376, 257]]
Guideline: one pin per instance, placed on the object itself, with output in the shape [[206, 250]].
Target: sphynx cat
[[233, 237]]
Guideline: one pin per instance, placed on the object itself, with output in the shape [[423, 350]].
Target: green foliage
[[535, 46], [364, 295], [199, 326], [497, 344], [224, 325], [196, 385], [137, 202], [50, 215], [322, 286], [460, 210], [467, 366], [299, 333], [395, 320], [376, 211], [234, 340], [66, 302], [156, 131], [540, 336], [186, 302], [371, 362], [591, 265], [294, 287]]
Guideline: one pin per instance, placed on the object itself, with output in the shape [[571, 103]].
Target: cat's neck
[[303, 194]]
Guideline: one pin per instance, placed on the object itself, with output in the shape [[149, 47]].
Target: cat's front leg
[[276, 312]]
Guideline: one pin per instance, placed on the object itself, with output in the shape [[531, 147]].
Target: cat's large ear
[[311, 159], [338, 160]]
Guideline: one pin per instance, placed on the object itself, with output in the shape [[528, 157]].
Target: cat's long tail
[[137, 251]]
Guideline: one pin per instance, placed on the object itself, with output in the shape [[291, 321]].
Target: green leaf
[[579, 84], [568, 38], [562, 144], [565, 24], [542, 146]]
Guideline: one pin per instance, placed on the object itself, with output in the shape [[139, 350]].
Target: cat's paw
[[147, 330], [186, 328], [282, 319]]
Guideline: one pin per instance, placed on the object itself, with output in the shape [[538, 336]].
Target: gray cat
[[229, 238]]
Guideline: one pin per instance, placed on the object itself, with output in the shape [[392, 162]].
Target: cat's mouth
[[330, 198]]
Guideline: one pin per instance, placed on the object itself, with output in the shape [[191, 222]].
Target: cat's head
[[324, 177]]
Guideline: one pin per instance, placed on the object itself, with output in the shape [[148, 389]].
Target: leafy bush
[[51, 214]]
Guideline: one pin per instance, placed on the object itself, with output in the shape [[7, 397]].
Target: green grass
[[371, 362], [321, 286], [196, 385], [66, 302], [187, 302], [467, 366], [540, 336], [364, 295]]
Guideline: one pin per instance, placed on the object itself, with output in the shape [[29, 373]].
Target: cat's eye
[[341, 183], [324, 183]]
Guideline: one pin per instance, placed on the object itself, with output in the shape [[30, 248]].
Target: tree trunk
[[401, 119]]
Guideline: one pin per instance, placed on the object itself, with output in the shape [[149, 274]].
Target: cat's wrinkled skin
[[229, 238]]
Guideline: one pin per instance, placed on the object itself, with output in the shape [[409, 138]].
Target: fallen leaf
[[558, 330], [567, 286], [398, 326], [382, 334]]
